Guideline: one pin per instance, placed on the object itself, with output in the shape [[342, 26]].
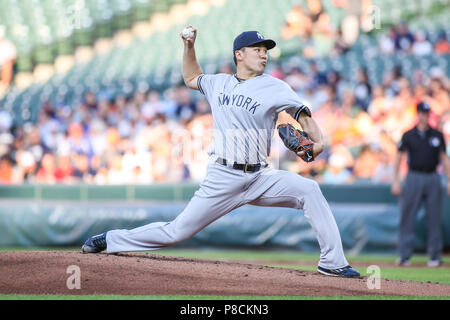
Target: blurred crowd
[[400, 39], [364, 123], [321, 36], [148, 137], [155, 136], [163, 137], [322, 33]]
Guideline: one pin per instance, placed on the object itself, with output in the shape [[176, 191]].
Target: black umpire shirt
[[423, 148]]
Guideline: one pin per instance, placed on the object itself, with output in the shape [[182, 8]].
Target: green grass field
[[284, 259], [416, 272]]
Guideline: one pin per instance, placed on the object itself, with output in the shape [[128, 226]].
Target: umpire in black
[[425, 148]]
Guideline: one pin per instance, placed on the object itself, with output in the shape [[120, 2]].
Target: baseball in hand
[[187, 33]]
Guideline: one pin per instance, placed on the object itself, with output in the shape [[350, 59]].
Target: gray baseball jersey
[[245, 113]]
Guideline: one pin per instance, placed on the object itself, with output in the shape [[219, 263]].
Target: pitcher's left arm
[[310, 126]]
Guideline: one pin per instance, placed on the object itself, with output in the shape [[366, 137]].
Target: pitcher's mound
[[53, 272]]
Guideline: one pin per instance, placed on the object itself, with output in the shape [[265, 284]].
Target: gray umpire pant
[[420, 188]]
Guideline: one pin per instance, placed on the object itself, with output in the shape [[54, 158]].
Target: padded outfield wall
[[61, 215]]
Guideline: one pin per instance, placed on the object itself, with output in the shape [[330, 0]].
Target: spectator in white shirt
[[421, 46]]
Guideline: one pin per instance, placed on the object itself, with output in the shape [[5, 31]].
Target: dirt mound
[[48, 272]]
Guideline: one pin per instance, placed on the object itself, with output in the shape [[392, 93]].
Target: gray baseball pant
[[225, 189], [420, 188]]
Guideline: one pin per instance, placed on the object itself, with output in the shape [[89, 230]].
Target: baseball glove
[[296, 140]]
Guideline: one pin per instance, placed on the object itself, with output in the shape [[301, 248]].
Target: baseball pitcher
[[245, 108]]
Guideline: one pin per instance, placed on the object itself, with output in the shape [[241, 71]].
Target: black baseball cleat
[[95, 244], [347, 272]]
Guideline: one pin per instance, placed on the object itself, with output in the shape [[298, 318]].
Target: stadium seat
[[41, 33]]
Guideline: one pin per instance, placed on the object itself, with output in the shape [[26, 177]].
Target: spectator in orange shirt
[[6, 170], [442, 46], [366, 163]]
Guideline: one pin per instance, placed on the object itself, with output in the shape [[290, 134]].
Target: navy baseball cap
[[423, 107], [249, 38]]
